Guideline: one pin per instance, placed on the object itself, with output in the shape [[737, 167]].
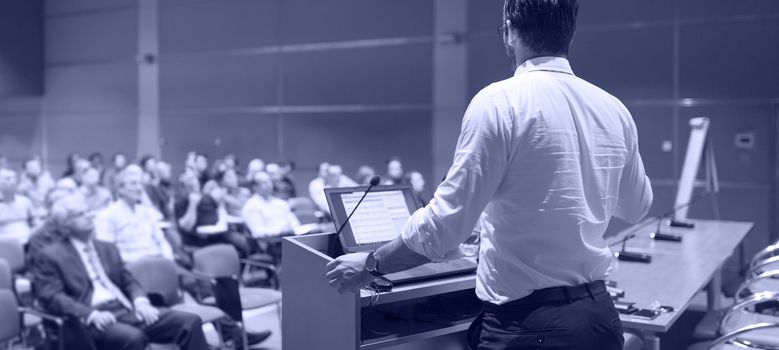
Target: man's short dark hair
[[546, 26]]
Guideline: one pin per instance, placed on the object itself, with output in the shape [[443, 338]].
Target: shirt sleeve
[[479, 166], [635, 189]]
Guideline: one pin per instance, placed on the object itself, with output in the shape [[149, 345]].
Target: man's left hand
[[146, 312], [347, 272]]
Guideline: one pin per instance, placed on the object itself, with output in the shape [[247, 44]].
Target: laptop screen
[[379, 219]]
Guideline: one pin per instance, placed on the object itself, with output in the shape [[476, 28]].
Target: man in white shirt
[[132, 226], [549, 158], [330, 175], [265, 215]]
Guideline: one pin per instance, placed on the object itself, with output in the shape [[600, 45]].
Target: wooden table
[[678, 271]]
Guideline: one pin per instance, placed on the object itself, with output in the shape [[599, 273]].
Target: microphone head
[[375, 180]]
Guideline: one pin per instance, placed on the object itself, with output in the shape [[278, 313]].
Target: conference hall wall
[[276, 79], [670, 61]]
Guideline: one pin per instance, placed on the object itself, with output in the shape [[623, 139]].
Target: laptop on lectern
[[379, 219]]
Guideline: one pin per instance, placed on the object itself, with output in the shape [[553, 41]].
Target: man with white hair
[[132, 226], [86, 279], [17, 215], [330, 175]]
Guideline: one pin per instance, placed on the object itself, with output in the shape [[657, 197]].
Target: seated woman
[[202, 218]]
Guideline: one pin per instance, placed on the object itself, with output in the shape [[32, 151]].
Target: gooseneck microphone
[[625, 255], [374, 182]]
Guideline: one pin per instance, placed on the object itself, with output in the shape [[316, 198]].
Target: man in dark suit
[[86, 279]]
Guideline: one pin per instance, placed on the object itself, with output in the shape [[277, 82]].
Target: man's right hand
[[101, 319]]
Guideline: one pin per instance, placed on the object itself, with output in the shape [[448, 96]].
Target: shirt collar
[[545, 63], [79, 245]]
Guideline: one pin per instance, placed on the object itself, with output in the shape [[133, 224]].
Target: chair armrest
[[755, 266], [751, 301], [196, 275], [751, 280], [733, 336], [259, 264], [49, 317]]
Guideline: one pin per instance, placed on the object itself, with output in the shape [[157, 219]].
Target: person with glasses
[[86, 279], [547, 158]]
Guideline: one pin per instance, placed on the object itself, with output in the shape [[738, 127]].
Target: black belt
[[555, 295]]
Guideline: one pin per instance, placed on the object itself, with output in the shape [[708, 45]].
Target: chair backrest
[[6, 276], [219, 260], [11, 325], [157, 276], [12, 251]]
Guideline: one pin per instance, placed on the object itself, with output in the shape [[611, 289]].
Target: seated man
[[97, 196], [86, 279], [131, 226], [330, 175], [195, 210], [17, 215], [134, 229], [266, 215]]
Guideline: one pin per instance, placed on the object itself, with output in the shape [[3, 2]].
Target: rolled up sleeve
[[479, 166]]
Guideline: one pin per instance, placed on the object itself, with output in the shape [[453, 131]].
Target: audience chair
[[160, 278], [12, 252], [743, 324], [221, 265], [734, 340], [17, 319]]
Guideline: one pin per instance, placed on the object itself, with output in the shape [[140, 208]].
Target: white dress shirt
[[267, 217], [135, 231], [316, 190], [549, 158]]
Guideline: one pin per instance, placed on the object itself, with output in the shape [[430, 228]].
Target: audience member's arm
[[51, 292], [189, 219], [257, 224], [292, 220]]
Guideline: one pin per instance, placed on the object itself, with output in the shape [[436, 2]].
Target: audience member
[[266, 215], [364, 175], [118, 162], [96, 196], [283, 187], [234, 196], [194, 209], [394, 172], [317, 186], [230, 161], [154, 191], [99, 290], [79, 168], [17, 215], [254, 166], [130, 225], [201, 166], [66, 184], [70, 164], [35, 183], [96, 161], [417, 183]]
